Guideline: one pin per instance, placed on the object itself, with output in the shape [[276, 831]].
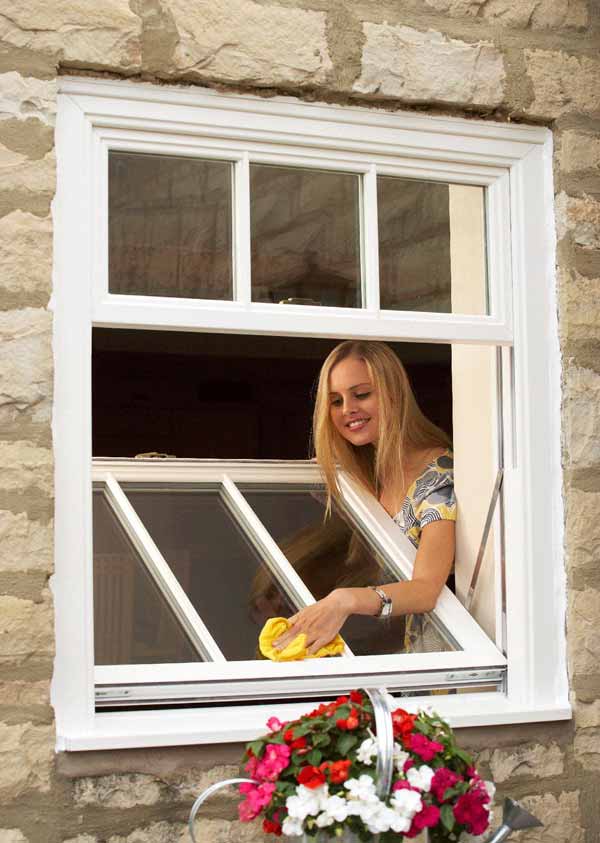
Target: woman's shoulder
[[439, 472]]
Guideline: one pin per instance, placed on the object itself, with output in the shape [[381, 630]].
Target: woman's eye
[[336, 402], [362, 395]]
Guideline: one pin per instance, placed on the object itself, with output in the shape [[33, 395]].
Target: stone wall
[[529, 60]]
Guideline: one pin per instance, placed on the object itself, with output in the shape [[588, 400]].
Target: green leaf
[[302, 729], [321, 740], [464, 756], [447, 817], [345, 743], [256, 747], [314, 757]]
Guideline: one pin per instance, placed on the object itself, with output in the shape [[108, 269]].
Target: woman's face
[[353, 403]]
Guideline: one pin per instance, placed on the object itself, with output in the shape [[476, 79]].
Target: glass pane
[[305, 232], [334, 554], [431, 246], [132, 622], [170, 226], [214, 562]]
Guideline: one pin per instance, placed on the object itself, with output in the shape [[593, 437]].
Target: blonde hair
[[402, 425]]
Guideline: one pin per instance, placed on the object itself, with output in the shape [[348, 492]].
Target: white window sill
[[227, 724]]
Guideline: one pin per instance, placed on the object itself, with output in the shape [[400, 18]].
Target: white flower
[[336, 807], [491, 789], [292, 827], [379, 818], [406, 803], [400, 756], [420, 777], [324, 819], [307, 801], [362, 788], [367, 751]]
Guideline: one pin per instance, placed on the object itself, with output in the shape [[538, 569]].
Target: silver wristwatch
[[385, 609]]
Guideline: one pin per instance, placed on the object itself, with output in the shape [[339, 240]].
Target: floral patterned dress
[[430, 498]]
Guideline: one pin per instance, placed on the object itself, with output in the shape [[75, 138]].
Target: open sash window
[[190, 214]]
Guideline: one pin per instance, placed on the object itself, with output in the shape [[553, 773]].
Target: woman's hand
[[320, 622]]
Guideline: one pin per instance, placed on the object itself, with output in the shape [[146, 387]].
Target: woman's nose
[[349, 405]]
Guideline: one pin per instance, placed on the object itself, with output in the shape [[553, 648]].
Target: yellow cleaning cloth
[[296, 649]]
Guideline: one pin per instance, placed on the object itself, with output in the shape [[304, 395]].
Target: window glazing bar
[[156, 565], [276, 561]]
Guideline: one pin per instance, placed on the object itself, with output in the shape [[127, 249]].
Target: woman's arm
[[323, 620]]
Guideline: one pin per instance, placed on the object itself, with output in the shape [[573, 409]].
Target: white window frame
[[475, 662], [514, 163]]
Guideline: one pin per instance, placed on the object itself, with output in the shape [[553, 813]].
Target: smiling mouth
[[356, 424]]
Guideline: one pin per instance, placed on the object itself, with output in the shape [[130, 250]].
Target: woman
[[367, 422]]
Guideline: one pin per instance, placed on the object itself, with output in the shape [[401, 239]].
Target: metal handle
[[385, 739], [204, 796]]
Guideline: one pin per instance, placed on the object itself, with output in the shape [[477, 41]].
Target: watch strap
[[385, 610]]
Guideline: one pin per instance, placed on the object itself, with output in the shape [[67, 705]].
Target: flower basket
[[355, 771]]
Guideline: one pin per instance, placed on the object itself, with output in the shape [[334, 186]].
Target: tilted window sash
[[473, 661]]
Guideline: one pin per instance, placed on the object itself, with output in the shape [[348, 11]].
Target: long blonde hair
[[402, 425]]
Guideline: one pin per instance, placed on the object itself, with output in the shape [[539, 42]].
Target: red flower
[[339, 771], [356, 697], [471, 811], [272, 827], [323, 709], [443, 779], [299, 743], [341, 700], [427, 818], [288, 735], [403, 723], [351, 722], [311, 777]]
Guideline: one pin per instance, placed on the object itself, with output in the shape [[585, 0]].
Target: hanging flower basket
[[351, 770]]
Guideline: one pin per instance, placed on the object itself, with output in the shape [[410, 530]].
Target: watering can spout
[[514, 818]]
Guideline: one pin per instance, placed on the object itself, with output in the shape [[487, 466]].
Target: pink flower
[[257, 798], [274, 724], [276, 758], [407, 765], [402, 784], [423, 747], [471, 811], [427, 818], [443, 779]]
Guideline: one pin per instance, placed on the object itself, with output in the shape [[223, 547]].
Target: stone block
[[531, 761], [75, 33], [81, 838], [583, 631], [26, 366], [579, 217], [579, 152], [562, 83], [25, 183], [25, 97], [26, 757], [586, 749], [582, 527], [560, 816], [247, 42], [25, 694], [12, 835], [208, 831], [579, 318], [581, 417], [25, 260], [26, 629], [587, 715], [414, 66], [24, 466], [521, 14], [25, 545], [118, 791]]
